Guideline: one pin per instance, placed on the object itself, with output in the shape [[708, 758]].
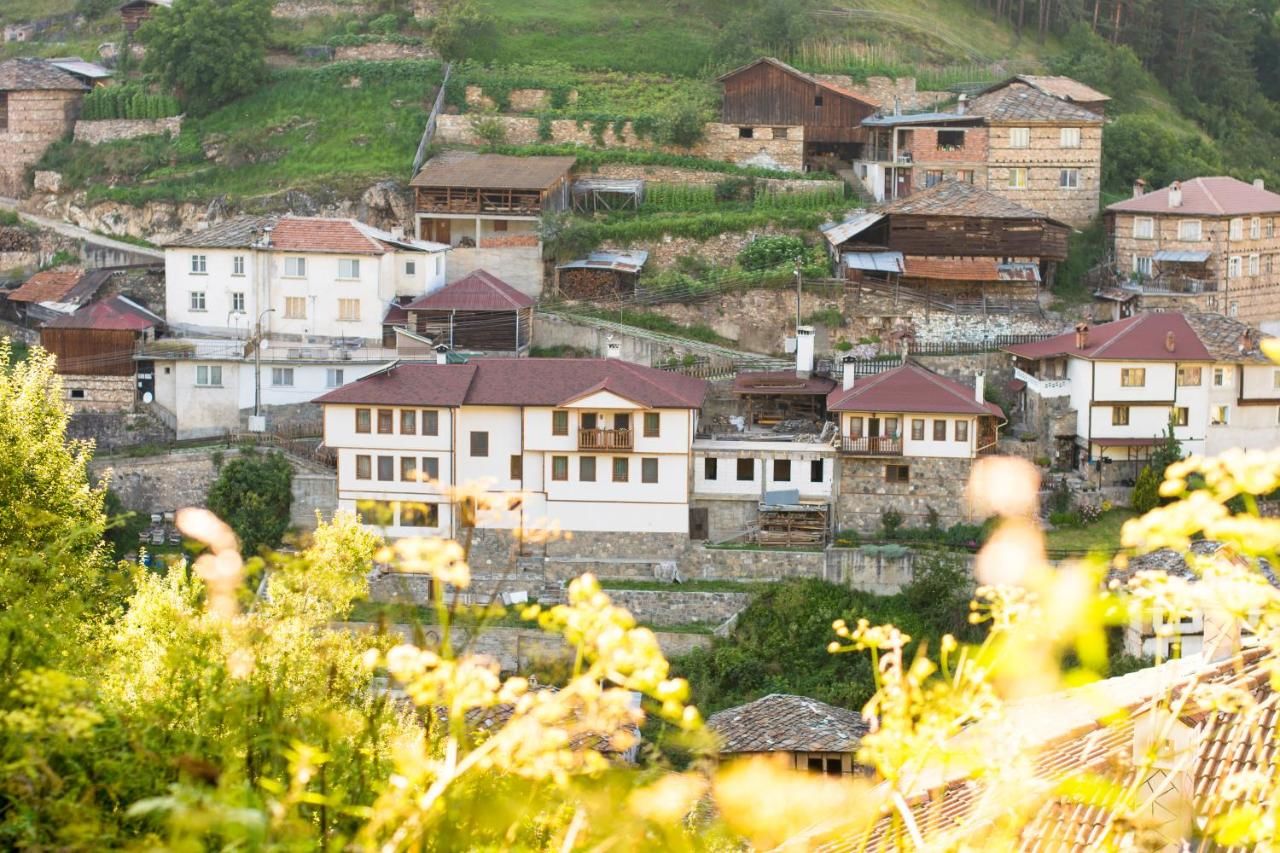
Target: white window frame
[[295, 300], [282, 377], [1014, 173], [1255, 228], [199, 264], [199, 301], [1069, 137], [349, 316], [1068, 179], [237, 265], [1233, 266], [211, 374], [1147, 233], [333, 377], [1142, 265], [1188, 227], [1019, 137], [349, 269], [295, 267], [1220, 415], [1221, 377], [1255, 265], [237, 302], [1235, 231]]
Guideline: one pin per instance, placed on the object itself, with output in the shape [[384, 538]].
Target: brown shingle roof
[[47, 286], [521, 382], [1220, 196], [1141, 337], [960, 198], [1065, 88], [783, 723], [479, 291], [492, 171], [1018, 102], [27, 74], [910, 389]]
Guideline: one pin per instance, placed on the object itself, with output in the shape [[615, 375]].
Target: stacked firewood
[[587, 283]]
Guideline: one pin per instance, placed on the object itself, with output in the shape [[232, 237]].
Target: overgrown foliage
[[253, 493], [127, 101]]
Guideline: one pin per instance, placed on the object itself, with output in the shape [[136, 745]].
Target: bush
[[489, 129], [1060, 497], [253, 495], [1088, 511], [1146, 491], [1065, 519], [129, 101], [773, 251], [890, 521], [829, 317], [682, 125]]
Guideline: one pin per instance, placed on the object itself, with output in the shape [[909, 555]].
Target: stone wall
[[98, 393], [98, 131], [37, 119], [112, 430], [553, 330], [933, 482], [870, 571], [727, 517], [316, 8], [519, 100], [678, 607], [382, 52], [673, 175], [1044, 159]]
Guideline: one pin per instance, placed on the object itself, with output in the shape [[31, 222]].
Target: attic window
[[817, 100], [951, 140], [4, 111]]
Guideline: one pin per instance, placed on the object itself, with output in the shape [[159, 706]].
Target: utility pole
[[257, 364], [799, 281]]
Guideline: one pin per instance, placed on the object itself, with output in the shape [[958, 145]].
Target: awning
[[1115, 294], [1018, 271], [628, 262], [840, 232], [1171, 256], [873, 261]]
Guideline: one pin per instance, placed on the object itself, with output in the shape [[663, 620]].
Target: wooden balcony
[[605, 439], [866, 446]]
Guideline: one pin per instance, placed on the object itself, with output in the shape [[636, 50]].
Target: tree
[[1168, 451], [253, 493], [463, 31], [1146, 491], [208, 52]]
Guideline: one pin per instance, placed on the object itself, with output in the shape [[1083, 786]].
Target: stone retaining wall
[[382, 52], [98, 131], [677, 607], [870, 572]]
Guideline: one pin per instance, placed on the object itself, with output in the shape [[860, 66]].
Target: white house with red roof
[[582, 445], [310, 279], [907, 439]]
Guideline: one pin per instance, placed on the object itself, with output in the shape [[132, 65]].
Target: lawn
[[1102, 535]]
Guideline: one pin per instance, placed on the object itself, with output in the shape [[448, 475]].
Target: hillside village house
[[799, 732], [487, 207], [587, 445], [95, 347], [135, 13], [907, 441], [1106, 393], [1208, 244], [39, 103]]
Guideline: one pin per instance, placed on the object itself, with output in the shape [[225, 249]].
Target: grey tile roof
[[1223, 337], [1020, 102], [959, 198], [238, 233], [783, 723], [27, 74]]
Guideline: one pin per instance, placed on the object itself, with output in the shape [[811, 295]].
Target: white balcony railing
[[1044, 387]]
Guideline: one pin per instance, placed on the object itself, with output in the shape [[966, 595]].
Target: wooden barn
[[95, 350], [770, 96], [476, 313], [135, 13]]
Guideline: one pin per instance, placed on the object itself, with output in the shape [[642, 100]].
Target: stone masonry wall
[[98, 131], [934, 482], [885, 90], [677, 607], [1044, 159], [869, 571], [98, 393], [382, 52], [36, 120]]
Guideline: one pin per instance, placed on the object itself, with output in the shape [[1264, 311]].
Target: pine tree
[[1146, 491]]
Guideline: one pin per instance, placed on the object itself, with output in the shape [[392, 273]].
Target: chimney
[[613, 349], [1170, 342], [897, 106], [980, 387], [804, 351], [1082, 335], [962, 104], [1259, 184], [397, 232], [1175, 194], [850, 375], [442, 354], [1139, 188], [1246, 341]]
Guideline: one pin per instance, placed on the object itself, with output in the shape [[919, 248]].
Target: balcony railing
[[604, 439], [871, 446], [1044, 387]]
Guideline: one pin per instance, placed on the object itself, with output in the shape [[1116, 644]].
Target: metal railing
[[870, 446], [605, 439]]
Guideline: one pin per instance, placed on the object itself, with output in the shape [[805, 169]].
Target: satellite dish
[[147, 396]]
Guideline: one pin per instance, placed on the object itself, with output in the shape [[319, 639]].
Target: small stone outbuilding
[[39, 103]]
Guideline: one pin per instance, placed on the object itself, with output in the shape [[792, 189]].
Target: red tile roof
[[315, 234], [479, 291], [521, 382], [302, 234], [47, 286], [910, 388], [1138, 338], [952, 269], [116, 313], [1220, 196]]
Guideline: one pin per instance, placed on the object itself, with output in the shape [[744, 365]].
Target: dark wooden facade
[[135, 14], [966, 236], [92, 352], [483, 331], [504, 202], [768, 92]]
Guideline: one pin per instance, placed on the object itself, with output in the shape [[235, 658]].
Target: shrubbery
[[253, 494], [127, 102]]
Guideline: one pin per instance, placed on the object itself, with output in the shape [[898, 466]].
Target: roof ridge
[[1138, 320], [643, 376]]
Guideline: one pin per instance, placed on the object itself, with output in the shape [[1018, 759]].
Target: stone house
[[1208, 244], [801, 733], [95, 351], [39, 103], [908, 437]]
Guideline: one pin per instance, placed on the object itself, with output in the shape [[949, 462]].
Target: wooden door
[[698, 523]]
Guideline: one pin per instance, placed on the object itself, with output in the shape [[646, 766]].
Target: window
[[295, 308], [746, 469], [1069, 137], [430, 468], [386, 468], [409, 469], [587, 469], [386, 421], [430, 422], [349, 310], [419, 515], [1019, 137], [1142, 266], [1255, 228], [295, 267], [780, 133], [199, 264], [559, 423], [1271, 228], [917, 429], [932, 177], [855, 427], [622, 420], [76, 393], [237, 265], [746, 133], [652, 424], [364, 467], [237, 303], [1236, 230], [378, 513], [649, 470], [964, 176], [479, 443], [1144, 228], [1189, 376], [408, 422], [209, 375], [1219, 415], [1069, 179], [197, 300], [1255, 264], [621, 469], [560, 468], [364, 420], [1133, 377], [709, 468], [962, 430], [410, 269], [817, 100], [1181, 415], [500, 225], [1189, 229], [516, 470], [816, 471], [950, 140], [1234, 309], [1119, 415], [1018, 178], [1233, 266], [782, 470], [1221, 378], [897, 473], [348, 268], [282, 376], [939, 430]]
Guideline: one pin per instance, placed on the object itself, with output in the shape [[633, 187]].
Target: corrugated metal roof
[[1181, 257], [921, 118], [118, 312], [873, 261], [856, 224], [952, 269], [1018, 271], [629, 262], [492, 171], [79, 67]]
